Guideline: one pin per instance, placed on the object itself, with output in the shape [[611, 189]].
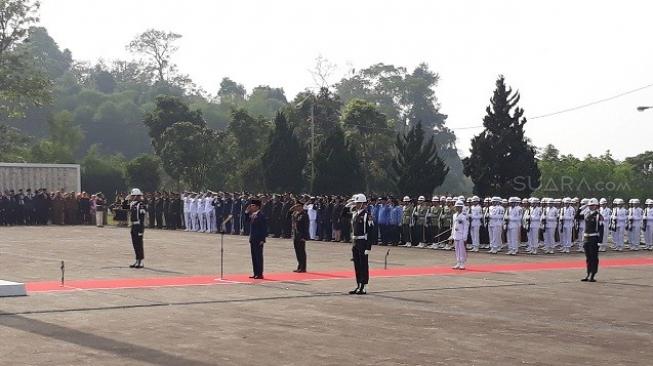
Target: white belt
[[593, 234], [363, 237]]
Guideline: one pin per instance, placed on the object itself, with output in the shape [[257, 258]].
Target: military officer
[[406, 221], [567, 217], [648, 224], [513, 234], [635, 216], [606, 214], [592, 236], [532, 223], [361, 224], [459, 232], [419, 220], [476, 217], [137, 210], [495, 225], [620, 216]]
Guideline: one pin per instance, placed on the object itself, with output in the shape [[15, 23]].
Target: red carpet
[[157, 282]]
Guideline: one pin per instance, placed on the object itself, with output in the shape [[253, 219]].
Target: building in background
[[54, 177]]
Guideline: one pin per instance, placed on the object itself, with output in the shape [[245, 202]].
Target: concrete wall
[[51, 176]]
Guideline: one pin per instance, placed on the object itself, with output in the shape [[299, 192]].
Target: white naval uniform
[[476, 217], [514, 228], [459, 232], [209, 215], [635, 215], [495, 227], [188, 223], [567, 217], [648, 234], [193, 214], [312, 221], [200, 215], [551, 219], [621, 215], [535, 214], [606, 213]]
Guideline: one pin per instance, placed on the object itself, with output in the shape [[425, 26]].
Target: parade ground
[[177, 311]]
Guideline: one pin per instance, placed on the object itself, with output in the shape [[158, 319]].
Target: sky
[[558, 54]]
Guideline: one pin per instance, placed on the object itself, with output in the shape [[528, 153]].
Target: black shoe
[[585, 279], [592, 280], [252, 276], [258, 277], [296, 270], [133, 265], [354, 291], [301, 271], [362, 291]]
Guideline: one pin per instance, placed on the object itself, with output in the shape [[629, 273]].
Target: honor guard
[[446, 220], [567, 217], [581, 224], [419, 222], [495, 226], [137, 210], [361, 224], [648, 224], [459, 232], [635, 216], [592, 237], [476, 217], [606, 214], [619, 218], [532, 223], [513, 235], [406, 221]]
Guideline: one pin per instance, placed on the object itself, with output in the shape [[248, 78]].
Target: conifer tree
[[283, 159], [337, 168]]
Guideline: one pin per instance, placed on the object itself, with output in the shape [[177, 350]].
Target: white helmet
[[584, 201], [566, 200], [603, 201], [592, 202], [406, 199], [649, 201], [136, 192], [475, 199], [496, 199], [459, 203], [514, 200], [636, 201], [435, 199], [421, 198], [535, 200], [360, 198]]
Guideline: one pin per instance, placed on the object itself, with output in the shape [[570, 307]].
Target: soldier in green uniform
[[433, 222], [406, 220], [446, 219], [419, 216]]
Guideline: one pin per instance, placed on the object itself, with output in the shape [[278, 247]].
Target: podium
[[8, 288]]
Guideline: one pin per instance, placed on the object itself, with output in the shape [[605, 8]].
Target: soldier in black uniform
[[137, 210], [592, 237], [300, 234], [361, 224]]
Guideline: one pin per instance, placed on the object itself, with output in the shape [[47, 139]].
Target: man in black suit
[[300, 235], [258, 232]]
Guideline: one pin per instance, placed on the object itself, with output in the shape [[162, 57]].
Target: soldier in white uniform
[[532, 222], [193, 213], [620, 216], [209, 213], [606, 214], [551, 225], [476, 213], [496, 225], [312, 219], [567, 217], [201, 214], [187, 220], [459, 232], [635, 217], [648, 224], [513, 234]]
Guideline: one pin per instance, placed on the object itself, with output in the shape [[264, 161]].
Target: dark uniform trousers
[[300, 252], [361, 265], [137, 240], [417, 235], [257, 257], [591, 246], [405, 233]]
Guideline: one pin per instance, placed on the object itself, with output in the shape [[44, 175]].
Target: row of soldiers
[[41, 207]]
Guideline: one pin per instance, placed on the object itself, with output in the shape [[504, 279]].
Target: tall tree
[[62, 144], [250, 132], [502, 160], [158, 46], [144, 172], [369, 132], [169, 110], [231, 92], [21, 82], [284, 159], [189, 152], [418, 168], [337, 167]]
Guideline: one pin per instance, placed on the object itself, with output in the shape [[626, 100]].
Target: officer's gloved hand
[[367, 251]]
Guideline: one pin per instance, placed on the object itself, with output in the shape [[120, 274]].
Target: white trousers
[[461, 251], [565, 236], [194, 221], [512, 235], [648, 236], [618, 237], [99, 218], [211, 225], [202, 217], [495, 237], [533, 238], [606, 234], [476, 235], [188, 223], [634, 236], [549, 237], [312, 229]]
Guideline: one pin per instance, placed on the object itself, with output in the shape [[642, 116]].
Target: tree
[[502, 161], [266, 101], [102, 173], [14, 146], [418, 168], [337, 168], [284, 159], [144, 172], [169, 110], [21, 83], [188, 152], [251, 133], [231, 92], [63, 142], [369, 129], [158, 46]]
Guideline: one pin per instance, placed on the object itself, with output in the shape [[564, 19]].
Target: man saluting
[[137, 210], [258, 233], [361, 223]]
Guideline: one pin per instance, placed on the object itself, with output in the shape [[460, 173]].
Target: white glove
[[367, 251]]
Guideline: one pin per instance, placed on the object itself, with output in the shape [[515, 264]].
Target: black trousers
[[417, 236], [300, 252], [405, 233], [137, 241], [591, 247], [361, 265], [159, 219], [257, 258]]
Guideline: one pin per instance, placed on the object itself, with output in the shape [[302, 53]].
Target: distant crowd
[[494, 223]]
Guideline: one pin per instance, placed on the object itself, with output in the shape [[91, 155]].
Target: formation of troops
[[512, 225]]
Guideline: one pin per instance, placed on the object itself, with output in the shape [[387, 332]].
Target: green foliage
[[337, 167], [21, 82], [158, 46], [418, 168], [14, 146], [169, 110], [231, 92], [189, 152], [144, 172], [324, 107], [250, 133], [284, 159], [103, 173], [502, 161], [63, 142]]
